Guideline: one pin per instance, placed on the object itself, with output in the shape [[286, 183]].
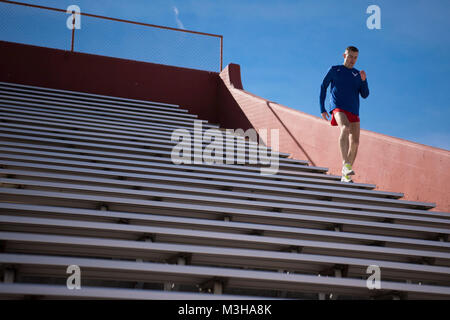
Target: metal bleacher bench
[[88, 180]]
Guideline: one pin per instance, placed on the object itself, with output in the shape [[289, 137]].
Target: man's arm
[[323, 89], [364, 89]]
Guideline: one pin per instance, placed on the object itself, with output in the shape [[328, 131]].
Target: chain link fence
[[49, 27]]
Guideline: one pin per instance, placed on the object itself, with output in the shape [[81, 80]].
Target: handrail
[[120, 20]]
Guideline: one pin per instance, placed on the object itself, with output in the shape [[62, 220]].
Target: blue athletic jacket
[[346, 85]]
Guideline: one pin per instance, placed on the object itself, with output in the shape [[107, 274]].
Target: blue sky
[[284, 49]]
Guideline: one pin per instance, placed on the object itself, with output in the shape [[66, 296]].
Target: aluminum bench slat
[[327, 192], [150, 128], [146, 148], [214, 238], [93, 105], [77, 109], [206, 171], [66, 153], [213, 225], [160, 129], [46, 291], [212, 187], [85, 95], [32, 108], [219, 196], [211, 256], [210, 173], [223, 201], [211, 212], [165, 161], [18, 122], [197, 274], [57, 117], [118, 139], [282, 159]]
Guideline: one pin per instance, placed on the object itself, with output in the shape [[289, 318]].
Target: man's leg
[[344, 126], [354, 141]]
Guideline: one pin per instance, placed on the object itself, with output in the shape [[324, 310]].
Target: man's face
[[350, 58]]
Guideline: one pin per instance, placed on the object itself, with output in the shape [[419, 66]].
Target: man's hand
[[363, 75], [325, 115]]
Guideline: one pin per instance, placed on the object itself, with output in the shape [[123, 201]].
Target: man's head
[[350, 56]]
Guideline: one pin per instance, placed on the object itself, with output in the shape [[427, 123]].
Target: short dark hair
[[352, 48]]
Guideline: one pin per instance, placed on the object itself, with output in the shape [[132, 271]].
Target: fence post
[[73, 29], [221, 53]]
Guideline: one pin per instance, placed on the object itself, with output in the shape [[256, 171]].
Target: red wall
[[194, 90]]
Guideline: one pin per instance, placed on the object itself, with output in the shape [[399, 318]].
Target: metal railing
[[74, 13]]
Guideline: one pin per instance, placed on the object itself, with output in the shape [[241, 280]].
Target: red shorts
[[350, 116]]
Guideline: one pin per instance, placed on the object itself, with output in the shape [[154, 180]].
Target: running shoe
[[346, 178], [347, 170]]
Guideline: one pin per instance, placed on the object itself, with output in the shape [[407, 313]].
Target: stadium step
[[89, 180]]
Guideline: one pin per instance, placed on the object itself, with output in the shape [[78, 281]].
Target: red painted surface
[[194, 90], [421, 172], [230, 113], [200, 92]]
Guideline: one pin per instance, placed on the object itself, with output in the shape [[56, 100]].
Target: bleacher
[[88, 180]]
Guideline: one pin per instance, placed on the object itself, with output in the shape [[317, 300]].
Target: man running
[[347, 84]]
